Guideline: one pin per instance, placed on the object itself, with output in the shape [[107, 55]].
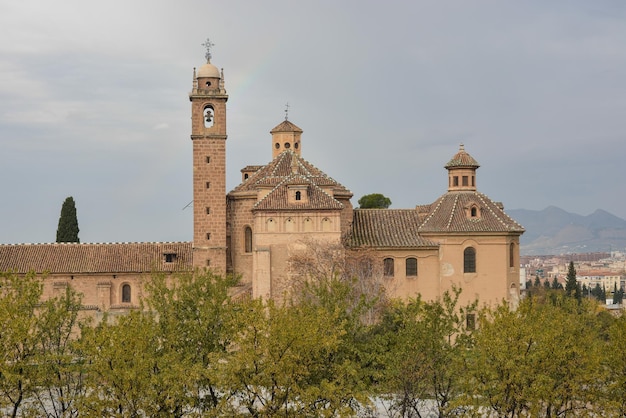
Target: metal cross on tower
[[208, 45]]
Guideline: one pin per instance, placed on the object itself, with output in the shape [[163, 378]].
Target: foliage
[[196, 320], [285, 361], [555, 284], [61, 371], [19, 334], [572, 288], [374, 201], [424, 361], [67, 231], [541, 360]]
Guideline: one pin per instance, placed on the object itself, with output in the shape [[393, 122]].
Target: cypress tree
[[571, 285], [67, 230]]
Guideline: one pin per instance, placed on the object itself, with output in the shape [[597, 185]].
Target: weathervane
[[208, 45], [287, 111]]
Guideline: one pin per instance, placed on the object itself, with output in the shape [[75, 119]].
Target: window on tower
[[209, 116]]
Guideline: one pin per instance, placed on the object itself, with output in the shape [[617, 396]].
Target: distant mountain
[[556, 231]]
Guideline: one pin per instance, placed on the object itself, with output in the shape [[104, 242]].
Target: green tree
[[424, 359], [67, 231], [374, 201], [60, 371], [541, 360], [197, 322], [572, 288], [555, 284], [285, 361], [618, 296], [132, 372], [19, 335], [615, 361]]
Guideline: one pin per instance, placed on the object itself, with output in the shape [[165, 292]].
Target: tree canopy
[[67, 230], [374, 201]]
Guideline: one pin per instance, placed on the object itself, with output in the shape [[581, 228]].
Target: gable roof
[[278, 198], [449, 213], [386, 228], [288, 169], [77, 258]]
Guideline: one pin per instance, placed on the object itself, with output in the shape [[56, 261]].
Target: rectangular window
[[208, 263], [208, 184], [455, 181], [208, 211], [208, 235], [388, 267], [411, 267], [465, 181], [470, 322], [170, 257], [208, 160]]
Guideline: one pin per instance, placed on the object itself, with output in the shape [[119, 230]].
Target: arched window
[[388, 267], [512, 255], [248, 239], [469, 260], [411, 266], [298, 195], [474, 212], [126, 293]]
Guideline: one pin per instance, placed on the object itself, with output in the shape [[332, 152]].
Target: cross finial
[[208, 45], [287, 111]]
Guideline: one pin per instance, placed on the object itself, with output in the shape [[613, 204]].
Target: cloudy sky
[[94, 103]]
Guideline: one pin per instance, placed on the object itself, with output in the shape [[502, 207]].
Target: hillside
[[556, 231]]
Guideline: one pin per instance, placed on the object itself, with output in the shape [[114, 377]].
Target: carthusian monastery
[[463, 239]]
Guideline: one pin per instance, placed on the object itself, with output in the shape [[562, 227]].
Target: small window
[[473, 181], [473, 212], [248, 239], [245, 176], [469, 260], [298, 195], [287, 145], [208, 235], [411, 266], [170, 257], [208, 160], [296, 145], [512, 255], [126, 293], [388, 267], [208, 263], [470, 321], [277, 145], [465, 181], [208, 211], [208, 184], [455, 181]]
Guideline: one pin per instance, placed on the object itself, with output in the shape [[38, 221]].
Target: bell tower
[[208, 134]]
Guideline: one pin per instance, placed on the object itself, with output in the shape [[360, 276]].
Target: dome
[[208, 70], [462, 159]]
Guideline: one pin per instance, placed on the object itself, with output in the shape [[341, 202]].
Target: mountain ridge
[[556, 231]]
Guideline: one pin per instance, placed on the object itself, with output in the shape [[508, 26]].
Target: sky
[[94, 103]]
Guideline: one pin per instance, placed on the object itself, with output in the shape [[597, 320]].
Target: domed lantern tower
[[208, 134]]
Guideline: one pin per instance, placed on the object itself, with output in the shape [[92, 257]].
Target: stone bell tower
[[208, 133]]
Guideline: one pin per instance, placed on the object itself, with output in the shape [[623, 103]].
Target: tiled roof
[[449, 213], [95, 258], [317, 198], [288, 168], [386, 228], [286, 126], [462, 159]]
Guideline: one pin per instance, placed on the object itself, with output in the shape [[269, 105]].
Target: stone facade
[[463, 239]]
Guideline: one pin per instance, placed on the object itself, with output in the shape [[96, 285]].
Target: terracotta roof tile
[[462, 159], [95, 258], [286, 126], [450, 212], [317, 198], [386, 228], [285, 165]]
